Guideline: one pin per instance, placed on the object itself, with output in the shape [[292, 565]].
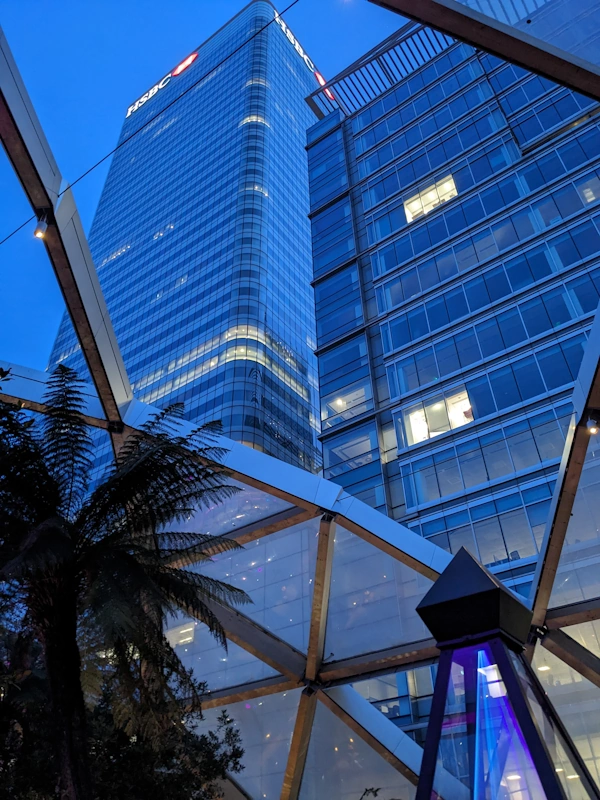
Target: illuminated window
[[162, 232], [255, 187], [116, 254], [257, 82], [346, 403], [181, 635], [430, 198], [437, 415], [254, 118]]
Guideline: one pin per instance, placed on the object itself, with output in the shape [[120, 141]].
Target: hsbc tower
[[202, 239]]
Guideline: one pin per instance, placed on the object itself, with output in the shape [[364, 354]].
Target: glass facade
[[202, 243], [456, 244]]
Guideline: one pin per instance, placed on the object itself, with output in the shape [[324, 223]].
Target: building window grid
[[495, 335], [471, 82], [501, 153], [460, 527], [475, 208], [422, 79], [489, 458], [479, 397], [567, 250]]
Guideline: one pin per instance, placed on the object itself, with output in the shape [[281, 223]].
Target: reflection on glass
[[578, 573], [576, 700], [372, 600], [210, 662], [277, 574], [340, 766], [566, 768], [246, 506], [265, 725]]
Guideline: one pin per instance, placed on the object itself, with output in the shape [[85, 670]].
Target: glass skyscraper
[[456, 238], [202, 241]]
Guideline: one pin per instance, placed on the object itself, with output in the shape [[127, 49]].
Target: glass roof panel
[[576, 700], [571, 25], [373, 600], [340, 765], [266, 726], [404, 697], [277, 572], [244, 508], [578, 573], [220, 668]]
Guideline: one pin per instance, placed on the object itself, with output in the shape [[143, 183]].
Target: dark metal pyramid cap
[[467, 601]]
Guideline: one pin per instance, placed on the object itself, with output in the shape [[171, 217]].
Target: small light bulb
[[592, 426], [40, 229]]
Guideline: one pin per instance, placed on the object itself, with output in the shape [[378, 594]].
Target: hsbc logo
[[294, 42], [161, 84]]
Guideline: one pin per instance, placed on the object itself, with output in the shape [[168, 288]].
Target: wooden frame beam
[[249, 691], [573, 614], [363, 666], [504, 41], [575, 655], [296, 762], [260, 642], [320, 603]]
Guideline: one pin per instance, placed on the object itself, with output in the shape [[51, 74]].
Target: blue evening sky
[[83, 63]]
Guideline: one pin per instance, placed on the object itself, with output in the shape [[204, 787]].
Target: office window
[[350, 451], [346, 403], [428, 199], [437, 415]]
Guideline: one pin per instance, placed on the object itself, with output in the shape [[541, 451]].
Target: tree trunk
[[63, 664]]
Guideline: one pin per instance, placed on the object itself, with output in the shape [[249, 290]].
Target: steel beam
[[29, 152], [249, 691], [320, 603], [294, 769], [586, 397], [364, 666], [574, 654], [504, 41], [386, 739]]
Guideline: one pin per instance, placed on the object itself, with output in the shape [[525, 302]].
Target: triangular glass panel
[[578, 576], [565, 763], [220, 668], [266, 725], [277, 573], [576, 699], [246, 507], [340, 765], [402, 697], [372, 600]]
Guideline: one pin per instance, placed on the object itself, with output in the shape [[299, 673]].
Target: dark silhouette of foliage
[[91, 571]]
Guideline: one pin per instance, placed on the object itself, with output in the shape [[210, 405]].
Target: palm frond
[[67, 443]]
